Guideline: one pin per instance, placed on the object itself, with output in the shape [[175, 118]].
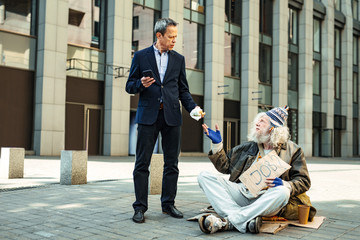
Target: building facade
[[64, 65]]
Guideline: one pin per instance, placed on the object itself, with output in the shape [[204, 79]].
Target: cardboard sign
[[271, 165]]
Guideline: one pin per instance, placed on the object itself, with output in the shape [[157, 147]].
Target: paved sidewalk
[[38, 207]]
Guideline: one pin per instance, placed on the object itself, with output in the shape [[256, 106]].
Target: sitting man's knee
[[203, 176], [283, 192]]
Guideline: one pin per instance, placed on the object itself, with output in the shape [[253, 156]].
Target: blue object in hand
[[214, 136], [278, 182]]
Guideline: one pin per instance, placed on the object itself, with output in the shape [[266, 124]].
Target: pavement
[[38, 207]]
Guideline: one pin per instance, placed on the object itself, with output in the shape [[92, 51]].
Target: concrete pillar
[[327, 77], [50, 85], [305, 78], [249, 66], [117, 101], [214, 66], [156, 173], [347, 79], [12, 163], [73, 167], [174, 9], [280, 59]]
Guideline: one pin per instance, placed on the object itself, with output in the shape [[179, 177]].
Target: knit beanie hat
[[278, 116]]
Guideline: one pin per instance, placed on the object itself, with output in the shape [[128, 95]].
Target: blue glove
[[277, 182], [214, 136]]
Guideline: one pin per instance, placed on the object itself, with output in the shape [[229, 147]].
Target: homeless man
[[235, 206]]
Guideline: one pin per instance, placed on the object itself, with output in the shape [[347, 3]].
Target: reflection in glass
[[16, 16], [337, 43], [233, 11], [355, 50], [292, 124], [337, 4], [143, 36], [355, 10], [292, 71], [193, 45], [355, 87], [292, 25], [85, 23], [337, 83], [196, 5], [265, 64], [317, 35], [266, 13], [316, 77], [232, 55]]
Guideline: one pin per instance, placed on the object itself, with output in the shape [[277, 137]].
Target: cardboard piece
[[272, 227], [271, 165]]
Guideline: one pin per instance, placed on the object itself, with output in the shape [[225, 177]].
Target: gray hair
[[162, 24], [278, 135]]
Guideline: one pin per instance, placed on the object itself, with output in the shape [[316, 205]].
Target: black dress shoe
[[172, 211], [138, 216]]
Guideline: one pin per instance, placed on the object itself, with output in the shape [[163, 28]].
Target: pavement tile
[[103, 209]]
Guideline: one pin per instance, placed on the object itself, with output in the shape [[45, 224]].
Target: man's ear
[[158, 35]]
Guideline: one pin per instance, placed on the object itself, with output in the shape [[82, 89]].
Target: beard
[[261, 136]]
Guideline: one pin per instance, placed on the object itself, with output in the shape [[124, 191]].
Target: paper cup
[[303, 213]]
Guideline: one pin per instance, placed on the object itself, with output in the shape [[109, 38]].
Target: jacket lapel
[[169, 65], [152, 61]]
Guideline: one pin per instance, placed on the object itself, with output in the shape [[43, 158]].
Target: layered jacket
[[241, 157]]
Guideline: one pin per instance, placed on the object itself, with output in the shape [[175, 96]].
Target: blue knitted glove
[[214, 136], [278, 182]]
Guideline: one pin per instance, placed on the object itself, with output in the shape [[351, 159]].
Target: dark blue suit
[[151, 120]]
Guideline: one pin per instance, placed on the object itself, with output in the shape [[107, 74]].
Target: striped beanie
[[278, 116]]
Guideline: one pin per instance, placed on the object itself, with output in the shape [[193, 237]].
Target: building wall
[[47, 116]]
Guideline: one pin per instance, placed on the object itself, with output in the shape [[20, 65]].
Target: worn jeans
[[228, 200]]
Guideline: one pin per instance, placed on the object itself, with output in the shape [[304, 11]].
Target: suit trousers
[[228, 200], [146, 139]]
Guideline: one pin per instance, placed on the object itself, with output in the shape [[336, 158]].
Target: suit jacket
[[173, 88]]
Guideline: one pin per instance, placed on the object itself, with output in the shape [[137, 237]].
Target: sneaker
[[254, 225], [210, 224]]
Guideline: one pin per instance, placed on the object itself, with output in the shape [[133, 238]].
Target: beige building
[[64, 65]]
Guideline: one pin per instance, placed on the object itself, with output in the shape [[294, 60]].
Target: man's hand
[[214, 136], [274, 182], [197, 113], [147, 81]]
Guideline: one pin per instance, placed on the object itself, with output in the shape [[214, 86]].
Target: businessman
[[158, 75]]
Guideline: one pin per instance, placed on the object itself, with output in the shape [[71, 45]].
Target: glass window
[[85, 23], [337, 4], [337, 44], [337, 83], [17, 16], [292, 71], [196, 5], [232, 55], [265, 63], [355, 50], [233, 11], [317, 35], [143, 36], [292, 124], [293, 26], [193, 44], [355, 87], [355, 9], [316, 77], [266, 17]]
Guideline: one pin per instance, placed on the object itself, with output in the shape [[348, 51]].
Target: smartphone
[[148, 73]]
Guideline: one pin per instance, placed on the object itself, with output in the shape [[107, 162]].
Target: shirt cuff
[[216, 147]]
